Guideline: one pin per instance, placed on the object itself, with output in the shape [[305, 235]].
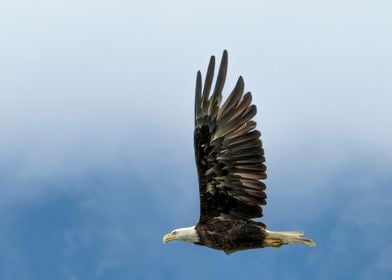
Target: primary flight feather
[[230, 164]]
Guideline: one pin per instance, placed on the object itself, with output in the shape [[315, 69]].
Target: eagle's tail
[[279, 238]]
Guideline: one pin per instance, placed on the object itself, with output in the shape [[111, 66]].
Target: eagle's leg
[[272, 242]]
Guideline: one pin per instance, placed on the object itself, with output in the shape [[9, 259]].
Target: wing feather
[[217, 95], [198, 96], [229, 154], [207, 86]]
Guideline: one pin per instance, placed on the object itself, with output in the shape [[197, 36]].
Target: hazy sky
[[96, 123]]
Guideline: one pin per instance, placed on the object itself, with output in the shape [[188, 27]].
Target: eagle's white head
[[188, 234]]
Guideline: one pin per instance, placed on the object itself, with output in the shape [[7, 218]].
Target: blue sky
[[96, 119]]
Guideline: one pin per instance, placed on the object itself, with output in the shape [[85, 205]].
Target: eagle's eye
[[174, 232]]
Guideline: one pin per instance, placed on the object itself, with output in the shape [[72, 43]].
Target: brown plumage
[[229, 154]]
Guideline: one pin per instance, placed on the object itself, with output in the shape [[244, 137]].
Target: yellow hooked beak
[[168, 237]]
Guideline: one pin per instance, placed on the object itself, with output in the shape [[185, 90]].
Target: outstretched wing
[[228, 150]]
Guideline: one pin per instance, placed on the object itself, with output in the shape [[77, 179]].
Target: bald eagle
[[230, 164]]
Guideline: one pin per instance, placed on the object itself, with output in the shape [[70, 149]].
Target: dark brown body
[[231, 235]]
